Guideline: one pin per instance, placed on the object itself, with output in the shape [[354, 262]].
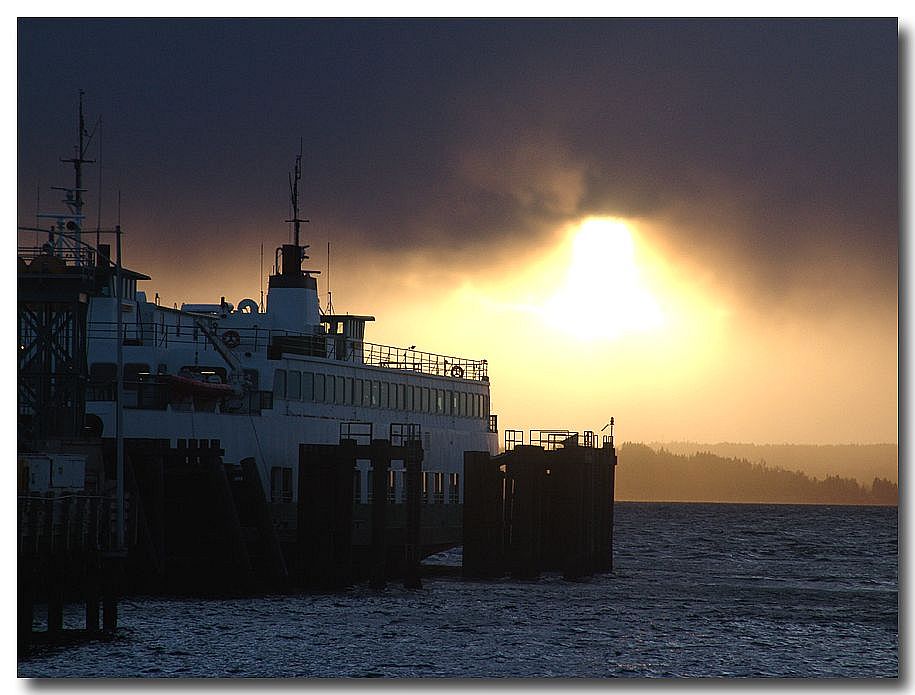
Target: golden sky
[[602, 321]]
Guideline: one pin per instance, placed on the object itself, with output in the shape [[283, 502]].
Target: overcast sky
[[763, 150]]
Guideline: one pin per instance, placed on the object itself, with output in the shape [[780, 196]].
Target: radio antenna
[[98, 222], [37, 210], [330, 301], [262, 278]]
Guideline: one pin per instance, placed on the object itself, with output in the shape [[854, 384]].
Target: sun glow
[[605, 288]]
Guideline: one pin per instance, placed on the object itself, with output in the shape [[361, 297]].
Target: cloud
[[765, 150], [537, 172]]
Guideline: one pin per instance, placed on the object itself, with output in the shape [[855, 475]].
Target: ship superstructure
[[262, 381]]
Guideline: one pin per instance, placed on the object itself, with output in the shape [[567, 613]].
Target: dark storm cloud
[[475, 132]]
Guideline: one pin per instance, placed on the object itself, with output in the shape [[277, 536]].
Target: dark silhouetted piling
[[484, 554], [235, 539], [527, 470], [273, 553], [530, 510], [381, 464], [413, 463], [111, 589], [325, 509]]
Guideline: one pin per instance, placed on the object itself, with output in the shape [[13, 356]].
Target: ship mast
[[68, 234], [292, 297], [293, 254], [294, 197]]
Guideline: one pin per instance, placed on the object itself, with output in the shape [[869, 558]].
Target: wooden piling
[[25, 599], [111, 585], [611, 463], [325, 511], [413, 463], [381, 463], [483, 516], [92, 592], [237, 547], [276, 564], [527, 469], [551, 511]]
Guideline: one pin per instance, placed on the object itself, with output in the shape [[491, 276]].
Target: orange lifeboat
[[197, 385]]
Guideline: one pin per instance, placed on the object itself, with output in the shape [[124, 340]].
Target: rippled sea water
[[697, 590]]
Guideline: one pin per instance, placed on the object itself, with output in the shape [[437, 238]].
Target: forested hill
[[644, 474], [863, 462]]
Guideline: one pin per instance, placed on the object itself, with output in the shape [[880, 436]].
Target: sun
[[605, 291]]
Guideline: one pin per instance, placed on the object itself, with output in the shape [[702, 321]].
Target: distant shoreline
[[758, 474]]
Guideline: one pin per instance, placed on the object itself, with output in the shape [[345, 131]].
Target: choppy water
[[697, 590]]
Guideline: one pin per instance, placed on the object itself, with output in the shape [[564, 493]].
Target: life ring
[[457, 371], [231, 339], [247, 306]]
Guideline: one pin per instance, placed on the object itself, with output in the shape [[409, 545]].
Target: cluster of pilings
[[325, 513], [196, 524], [200, 526], [530, 510], [64, 556]]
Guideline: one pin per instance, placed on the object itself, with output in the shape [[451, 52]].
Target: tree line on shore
[[647, 474]]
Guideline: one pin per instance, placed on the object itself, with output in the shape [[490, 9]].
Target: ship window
[[408, 397], [425, 399], [476, 405], [308, 386], [448, 402], [453, 397], [439, 401], [485, 407], [339, 394], [348, 391], [463, 404], [329, 385], [384, 394], [357, 391], [294, 386], [366, 392], [453, 488], [319, 387], [438, 480], [400, 405], [376, 394], [279, 383]]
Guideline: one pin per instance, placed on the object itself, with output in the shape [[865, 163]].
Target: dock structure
[[540, 507], [325, 512], [198, 525], [65, 555], [66, 551]]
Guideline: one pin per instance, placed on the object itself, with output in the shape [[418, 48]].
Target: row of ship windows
[[294, 385]]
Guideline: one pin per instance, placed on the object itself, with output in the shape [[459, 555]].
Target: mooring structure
[[544, 506]]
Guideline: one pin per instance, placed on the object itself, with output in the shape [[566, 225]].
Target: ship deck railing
[[161, 335], [80, 257]]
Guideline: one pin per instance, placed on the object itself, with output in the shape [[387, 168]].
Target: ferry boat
[[264, 379]]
